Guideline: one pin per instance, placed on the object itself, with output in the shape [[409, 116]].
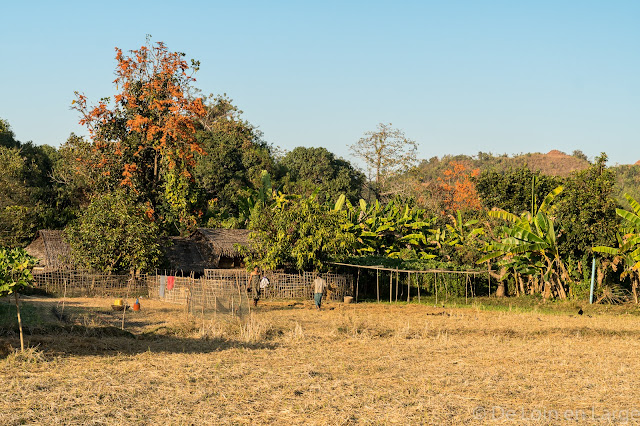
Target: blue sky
[[457, 76]]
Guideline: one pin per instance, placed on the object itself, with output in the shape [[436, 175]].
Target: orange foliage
[[154, 101], [457, 189]]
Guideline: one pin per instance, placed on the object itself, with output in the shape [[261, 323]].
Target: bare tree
[[386, 153]]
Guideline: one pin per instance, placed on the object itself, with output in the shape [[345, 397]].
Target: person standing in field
[[254, 285], [320, 285]]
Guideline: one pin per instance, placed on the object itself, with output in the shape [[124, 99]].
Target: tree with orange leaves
[[457, 189], [145, 139]]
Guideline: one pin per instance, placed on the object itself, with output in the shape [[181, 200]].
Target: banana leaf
[[546, 203], [607, 250], [633, 203], [630, 217], [503, 214]]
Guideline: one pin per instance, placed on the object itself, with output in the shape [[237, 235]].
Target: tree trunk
[[634, 289], [501, 291], [155, 167], [560, 289], [547, 289]]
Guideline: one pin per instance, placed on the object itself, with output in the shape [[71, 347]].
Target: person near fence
[[320, 285], [254, 285]]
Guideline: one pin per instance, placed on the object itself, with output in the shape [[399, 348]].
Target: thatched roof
[[50, 248], [223, 242], [184, 254]]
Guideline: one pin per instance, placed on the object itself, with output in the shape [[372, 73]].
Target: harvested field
[[348, 364]]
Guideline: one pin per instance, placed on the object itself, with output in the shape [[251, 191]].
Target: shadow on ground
[[77, 329], [69, 340]]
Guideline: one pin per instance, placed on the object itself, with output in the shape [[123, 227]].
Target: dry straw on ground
[[348, 364]]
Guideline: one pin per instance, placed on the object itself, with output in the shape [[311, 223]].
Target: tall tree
[[310, 169], [235, 156], [28, 196], [146, 139], [515, 190], [456, 189], [297, 233], [114, 234], [588, 210], [386, 152], [7, 137]]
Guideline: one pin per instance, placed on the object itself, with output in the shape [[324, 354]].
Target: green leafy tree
[[514, 189], [459, 240], [588, 210], [309, 169], [627, 182], [7, 137], [299, 233], [15, 276], [396, 230], [234, 156], [28, 196], [16, 215], [115, 233]]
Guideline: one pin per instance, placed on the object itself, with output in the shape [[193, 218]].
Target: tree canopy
[[316, 169], [386, 152], [145, 141], [115, 234]]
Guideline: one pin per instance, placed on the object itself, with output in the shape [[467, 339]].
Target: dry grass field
[[348, 364]]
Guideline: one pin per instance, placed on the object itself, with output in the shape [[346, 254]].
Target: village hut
[[51, 250], [220, 247], [183, 254]]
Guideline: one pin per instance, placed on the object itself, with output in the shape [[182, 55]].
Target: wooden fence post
[[357, 285], [397, 280]]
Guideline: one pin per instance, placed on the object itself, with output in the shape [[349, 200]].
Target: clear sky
[[457, 76]]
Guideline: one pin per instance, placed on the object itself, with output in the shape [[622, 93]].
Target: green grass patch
[[521, 304]]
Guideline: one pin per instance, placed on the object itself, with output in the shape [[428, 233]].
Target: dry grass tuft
[[18, 358], [255, 329]]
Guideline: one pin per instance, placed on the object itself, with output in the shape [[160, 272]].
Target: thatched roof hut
[[51, 250], [219, 247], [183, 254], [207, 248]]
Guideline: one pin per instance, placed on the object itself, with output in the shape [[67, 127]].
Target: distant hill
[[553, 163]]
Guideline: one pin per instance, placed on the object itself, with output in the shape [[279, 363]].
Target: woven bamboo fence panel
[[281, 285], [215, 287], [89, 284]]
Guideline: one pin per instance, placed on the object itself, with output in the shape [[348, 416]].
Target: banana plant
[[394, 230], [529, 245], [628, 250], [461, 232]]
